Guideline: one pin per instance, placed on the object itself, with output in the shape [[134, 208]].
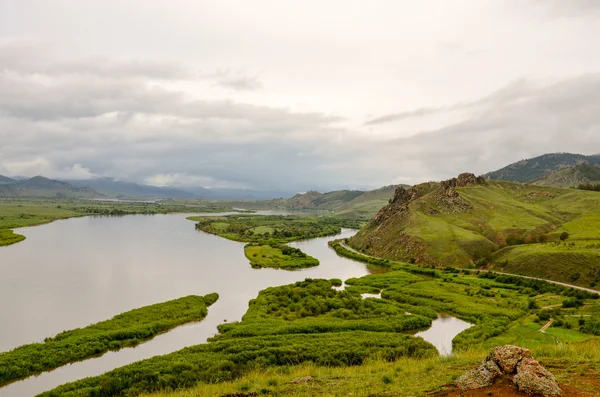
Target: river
[[75, 272]]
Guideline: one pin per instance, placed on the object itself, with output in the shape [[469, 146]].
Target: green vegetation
[[15, 213], [536, 169], [8, 237], [309, 328], [124, 330], [404, 377], [531, 230], [278, 256], [290, 325], [352, 204], [267, 236], [267, 228]]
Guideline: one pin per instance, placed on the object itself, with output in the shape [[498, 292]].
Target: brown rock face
[[506, 361]]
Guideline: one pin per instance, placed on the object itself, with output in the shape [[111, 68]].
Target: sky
[[294, 95]]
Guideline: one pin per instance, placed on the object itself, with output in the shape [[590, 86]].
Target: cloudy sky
[[294, 95]]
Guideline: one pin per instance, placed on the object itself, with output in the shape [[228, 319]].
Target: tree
[[564, 236]]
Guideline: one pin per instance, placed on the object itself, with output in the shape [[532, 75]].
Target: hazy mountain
[[114, 188], [41, 187], [531, 169], [4, 179]]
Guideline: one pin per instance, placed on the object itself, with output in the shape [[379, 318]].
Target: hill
[[4, 179], [469, 221], [572, 176], [41, 187], [120, 189], [531, 169], [355, 204]]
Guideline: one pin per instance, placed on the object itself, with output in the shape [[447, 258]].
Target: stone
[[514, 363], [507, 357], [535, 380], [482, 376], [304, 379]]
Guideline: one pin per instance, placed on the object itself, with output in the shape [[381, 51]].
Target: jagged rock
[[534, 379], [480, 377], [507, 361], [507, 357]]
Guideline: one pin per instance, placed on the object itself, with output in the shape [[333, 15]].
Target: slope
[[354, 204], [538, 167], [572, 176], [511, 227]]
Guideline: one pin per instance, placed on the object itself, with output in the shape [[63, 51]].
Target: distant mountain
[[41, 187], [572, 176], [532, 169], [119, 189], [4, 179]]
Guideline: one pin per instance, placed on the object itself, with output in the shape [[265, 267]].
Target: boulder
[[516, 364], [535, 380], [507, 357]]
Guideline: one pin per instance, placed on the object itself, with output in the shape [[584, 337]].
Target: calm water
[[79, 271]]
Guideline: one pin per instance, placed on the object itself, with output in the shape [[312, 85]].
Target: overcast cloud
[[293, 95]]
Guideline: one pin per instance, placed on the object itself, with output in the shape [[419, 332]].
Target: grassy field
[[278, 256], [267, 236], [124, 330], [16, 213], [576, 365], [350, 344], [500, 225]]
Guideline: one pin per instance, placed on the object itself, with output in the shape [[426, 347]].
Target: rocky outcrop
[[515, 363]]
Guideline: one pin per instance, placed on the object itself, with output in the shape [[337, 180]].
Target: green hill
[[538, 167], [355, 204], [468, 221], [572, 176], [41, 187]]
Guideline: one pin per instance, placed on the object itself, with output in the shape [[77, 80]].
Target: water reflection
[[442, 331]]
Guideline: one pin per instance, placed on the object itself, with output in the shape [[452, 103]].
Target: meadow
[[266, 236], [524, 229], [124, 330], [312, 328]]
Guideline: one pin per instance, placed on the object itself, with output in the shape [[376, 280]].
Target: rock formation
[[516, 364]]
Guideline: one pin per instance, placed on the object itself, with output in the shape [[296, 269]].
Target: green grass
[[124, 330], [309, 324], [289, 325], [473, 229], [8, 237], [275, 257], [404, 377]]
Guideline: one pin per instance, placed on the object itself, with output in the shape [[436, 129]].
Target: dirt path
[[507, 274], [546, 326]]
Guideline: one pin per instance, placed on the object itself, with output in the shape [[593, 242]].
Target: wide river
[[75, 272]]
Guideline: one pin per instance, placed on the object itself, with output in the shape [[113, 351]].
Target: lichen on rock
[[515, 363]]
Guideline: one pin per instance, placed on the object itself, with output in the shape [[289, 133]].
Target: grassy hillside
[[531, 169], [507, 226], [353, 204], [572, 176]]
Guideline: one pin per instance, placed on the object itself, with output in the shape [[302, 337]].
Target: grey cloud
[[241, 83]]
